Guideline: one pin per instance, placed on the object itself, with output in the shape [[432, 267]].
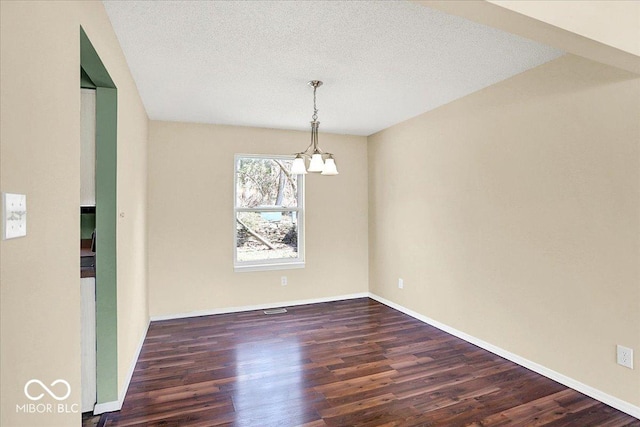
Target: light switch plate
[[14, 215]]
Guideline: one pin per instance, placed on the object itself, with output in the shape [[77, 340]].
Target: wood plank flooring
[[346, 363]]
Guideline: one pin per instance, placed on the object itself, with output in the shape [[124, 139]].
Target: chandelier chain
[[315, 109]]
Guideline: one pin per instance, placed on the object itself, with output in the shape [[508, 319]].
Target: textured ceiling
[[247, 62]]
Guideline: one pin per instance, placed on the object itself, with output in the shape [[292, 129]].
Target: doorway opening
[[93, 72]]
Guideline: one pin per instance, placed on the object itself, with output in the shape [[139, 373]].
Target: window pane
[[265, 183], [266, 235]]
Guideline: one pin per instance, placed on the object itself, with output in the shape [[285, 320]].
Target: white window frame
[[269, 264]]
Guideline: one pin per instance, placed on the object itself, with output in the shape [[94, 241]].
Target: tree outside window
[[269, 213]]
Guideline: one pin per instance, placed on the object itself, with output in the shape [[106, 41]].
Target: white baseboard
[[603, 397], [227, 310], [101, 408], [116, 405]]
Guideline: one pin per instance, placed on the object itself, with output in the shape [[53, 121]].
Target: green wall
[[94, 72], [87, 225]]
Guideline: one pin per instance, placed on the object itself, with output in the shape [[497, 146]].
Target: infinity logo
[[52, 394]]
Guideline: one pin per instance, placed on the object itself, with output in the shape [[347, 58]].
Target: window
[[269, 213]]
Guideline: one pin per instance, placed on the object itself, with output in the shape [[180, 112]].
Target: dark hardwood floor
[[346, 363]]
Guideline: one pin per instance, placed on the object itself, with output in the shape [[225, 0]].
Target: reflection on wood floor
[[346, 363]]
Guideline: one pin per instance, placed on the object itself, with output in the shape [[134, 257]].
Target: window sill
[[268, 267]]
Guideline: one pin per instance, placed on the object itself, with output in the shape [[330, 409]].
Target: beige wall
[[513, 215], [40, 155], [592, 19], [604, 31], [191, 222]]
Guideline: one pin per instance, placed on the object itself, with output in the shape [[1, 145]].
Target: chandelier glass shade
[[320, 162]]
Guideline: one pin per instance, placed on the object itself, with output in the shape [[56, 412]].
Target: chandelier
[[320, 161]]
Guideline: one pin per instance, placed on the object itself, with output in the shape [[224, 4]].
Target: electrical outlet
[[400, 284], [625, 356], [283, 280]]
